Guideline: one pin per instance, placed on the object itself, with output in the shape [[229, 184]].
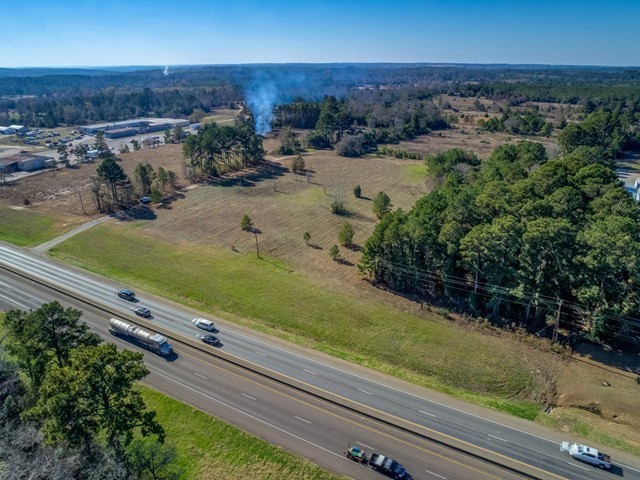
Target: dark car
[[142, 311], [210, 339], [126, 294], [145, 200]]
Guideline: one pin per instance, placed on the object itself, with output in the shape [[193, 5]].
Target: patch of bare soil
[[605, 385]]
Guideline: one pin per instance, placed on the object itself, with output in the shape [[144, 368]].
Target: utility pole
[[475, 286], [257, 247], [82, 204], [554, 337]]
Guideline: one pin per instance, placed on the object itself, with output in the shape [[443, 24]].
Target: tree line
[[520, 239], [111, 104], [358, 124], [69, 407]]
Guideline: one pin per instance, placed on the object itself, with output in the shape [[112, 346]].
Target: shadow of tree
[[265, 171]]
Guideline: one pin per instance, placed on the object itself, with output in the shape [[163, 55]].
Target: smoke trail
[[261, 98], [165, 72]]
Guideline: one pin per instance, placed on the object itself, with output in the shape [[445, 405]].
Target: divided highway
[[437, 416]]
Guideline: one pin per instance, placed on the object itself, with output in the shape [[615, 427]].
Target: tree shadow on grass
[[344, 261], [136, 213], [315, 246], [265, 171]]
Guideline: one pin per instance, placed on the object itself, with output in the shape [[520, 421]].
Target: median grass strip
[[209, 448], [26, 228], [261, 294]]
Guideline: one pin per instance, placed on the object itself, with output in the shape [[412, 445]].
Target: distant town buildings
[[11, 129]]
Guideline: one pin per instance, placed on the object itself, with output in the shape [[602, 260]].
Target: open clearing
[[297, 292]]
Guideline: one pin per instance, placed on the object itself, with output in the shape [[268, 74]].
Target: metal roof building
[[138, 125]]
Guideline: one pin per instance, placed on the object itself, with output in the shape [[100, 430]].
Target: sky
[[47, 33]]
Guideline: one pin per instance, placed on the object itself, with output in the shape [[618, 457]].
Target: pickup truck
[[586, 454], [388, 466]]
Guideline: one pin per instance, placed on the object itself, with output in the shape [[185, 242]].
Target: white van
[[203, 324]]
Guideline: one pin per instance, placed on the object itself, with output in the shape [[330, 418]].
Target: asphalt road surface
[[496, 436]]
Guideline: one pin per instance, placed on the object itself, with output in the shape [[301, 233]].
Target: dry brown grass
[[598, 394], [58, 191]]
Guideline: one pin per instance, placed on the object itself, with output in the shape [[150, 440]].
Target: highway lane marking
[[364, 391], [435, 474], [309, 371], [427, 413], [201, 376], [365, 446], [498, 438], [578, 466], [303, 420], [248, 396], [260, 353], [253, 417], [627, 466], [380, 384], [345, 419], [385, 386]]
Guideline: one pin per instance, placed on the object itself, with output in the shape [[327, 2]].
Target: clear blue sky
[[170, 32]]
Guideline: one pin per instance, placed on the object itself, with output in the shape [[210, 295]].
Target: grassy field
[[211, 449], [26, 228], [265, 294]]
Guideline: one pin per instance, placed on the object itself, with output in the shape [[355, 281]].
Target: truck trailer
[[149, 340]]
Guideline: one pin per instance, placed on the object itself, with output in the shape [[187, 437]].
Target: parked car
[[204, 324], [210, 339], [142, 311], [126, 294], [145, 200]]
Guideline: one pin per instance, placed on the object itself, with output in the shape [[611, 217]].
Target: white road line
[[578, 466], [253, 417], [309, 371], [427, 413], [627, 466], [201, 376], [364, 391], [498, 438], [260, 353], [435, 474], [303, 420], [383, 385], [365, 446], [248, 396]]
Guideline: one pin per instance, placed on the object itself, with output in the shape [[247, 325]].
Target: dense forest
[[523, 239], [51, 97]]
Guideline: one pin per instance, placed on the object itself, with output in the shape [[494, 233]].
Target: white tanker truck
[[149, 340]]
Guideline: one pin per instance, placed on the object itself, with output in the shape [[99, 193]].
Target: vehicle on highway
[[148, 340], [210, 339], [586, 454], [388, 466], [204, 324], [356, 454], [126, 294], [142, 311]]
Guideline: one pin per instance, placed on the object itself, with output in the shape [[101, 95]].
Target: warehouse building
[[25, 162], [134, 126]]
